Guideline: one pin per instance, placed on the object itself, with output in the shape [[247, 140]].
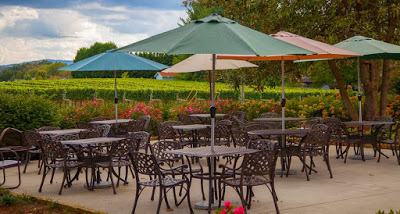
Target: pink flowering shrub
[[229, 209]]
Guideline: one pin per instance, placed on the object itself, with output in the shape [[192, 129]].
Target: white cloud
[[31, 34]]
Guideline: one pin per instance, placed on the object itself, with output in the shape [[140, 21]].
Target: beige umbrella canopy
[[203, 62]]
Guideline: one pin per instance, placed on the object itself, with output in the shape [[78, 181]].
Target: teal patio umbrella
[[214, 34], [370, 49], [114, 61]]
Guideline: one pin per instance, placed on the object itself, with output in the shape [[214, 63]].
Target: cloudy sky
[[56, 29]]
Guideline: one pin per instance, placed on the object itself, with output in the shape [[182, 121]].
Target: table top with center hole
[[92, 141], [205, 115], [62, 132], [109, 122], [205, 152], [265, 132], [278, 119], [191, 127]]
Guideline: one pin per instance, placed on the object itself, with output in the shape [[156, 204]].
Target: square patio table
[[193, 128], [278, 119], [61, 132], [362, 124], [90, 141], [205, 152]]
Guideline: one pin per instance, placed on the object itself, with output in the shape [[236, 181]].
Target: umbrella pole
[[359, 91], [283, 101], [116, 96]]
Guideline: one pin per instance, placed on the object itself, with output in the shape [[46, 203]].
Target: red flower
[[239, 210], [228, 205], [223, 212]]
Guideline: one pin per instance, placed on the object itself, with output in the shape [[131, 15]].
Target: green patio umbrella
[[370, 49], [114, 61], [214, 34]]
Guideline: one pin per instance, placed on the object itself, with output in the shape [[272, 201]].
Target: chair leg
[[112, 180], [63, 181], [136, 198], [347, 152], [188, 198], [202, 189], [379, 149], [166, 199], [242, 199], [43, 177], [305, 167], [119, 175], [27, 159], [328, 164], [160, 199], [52, 175], [274, 197]]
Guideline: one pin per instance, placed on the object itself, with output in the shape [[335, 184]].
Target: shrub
[[27, 112]]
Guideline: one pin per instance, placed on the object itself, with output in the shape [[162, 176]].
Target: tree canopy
[[94, 49]]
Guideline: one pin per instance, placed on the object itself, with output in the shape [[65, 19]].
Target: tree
[[94, 49], [52, 69], [41, 75], [326, 21], [27, 77]]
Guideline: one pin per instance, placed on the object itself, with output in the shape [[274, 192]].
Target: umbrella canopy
[[214, 34], [114, 61], [203, 62], [370, 48], [322, 50]]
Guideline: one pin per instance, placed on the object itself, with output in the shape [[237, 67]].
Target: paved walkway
[[356, 187]]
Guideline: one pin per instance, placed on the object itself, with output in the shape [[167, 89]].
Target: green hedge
[[26, 112]]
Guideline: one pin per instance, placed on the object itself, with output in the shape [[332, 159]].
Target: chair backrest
[[63, 137], [242, 138], [52, 149], [185, 119], [90, 133], [240, 115], [319, 136], [337, 128], [261, 163], [135, 125], [158, 148], [146, 121], [262, 144], [11, 137], [104, 129], [83, 125], [165, 130], [142, 137], [145, 164], [385, 131], [32, 138], [223, 129], [269, 115], [47, 128], [122, 148]]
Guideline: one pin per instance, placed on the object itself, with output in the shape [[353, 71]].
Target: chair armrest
[[7, 150]]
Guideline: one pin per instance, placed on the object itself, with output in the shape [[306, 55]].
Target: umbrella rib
[[174, 46], [243, 41]]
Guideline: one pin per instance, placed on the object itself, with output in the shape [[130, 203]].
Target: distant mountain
[[68, 62]]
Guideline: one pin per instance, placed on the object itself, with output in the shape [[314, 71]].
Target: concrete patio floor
[[356, 187]]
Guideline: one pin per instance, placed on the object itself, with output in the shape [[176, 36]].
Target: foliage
[[7, 199], [158, 57], [41, 75], [141, 89], [125, 75], [26, 112], [96, 48], [229, 209], [396, 85], [26, 70]]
